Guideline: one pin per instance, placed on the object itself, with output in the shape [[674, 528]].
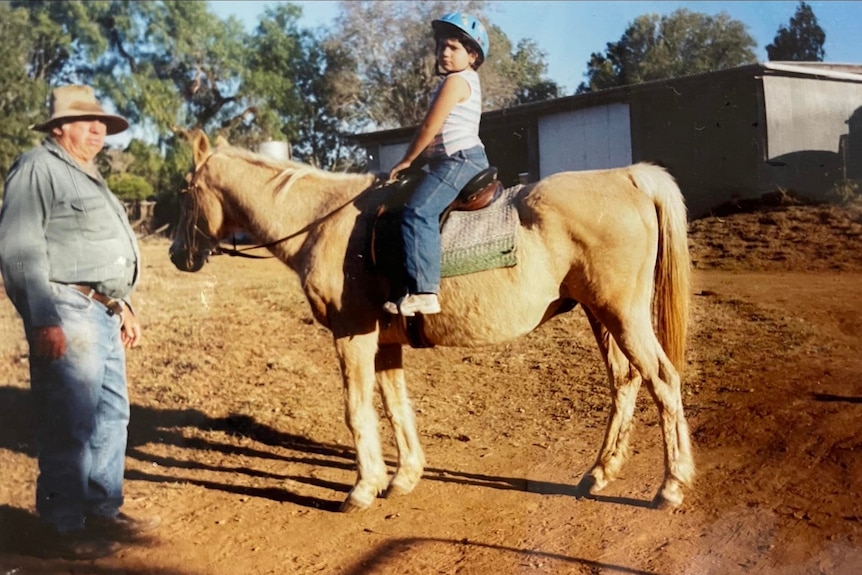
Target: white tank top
[[460, 130]]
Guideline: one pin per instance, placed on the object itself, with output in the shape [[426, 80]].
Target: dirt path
[[237, 441]]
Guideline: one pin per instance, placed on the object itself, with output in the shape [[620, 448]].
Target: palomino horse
[[613, 241]]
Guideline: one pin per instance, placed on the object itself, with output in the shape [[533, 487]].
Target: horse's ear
[[200, 147], [221, 141]]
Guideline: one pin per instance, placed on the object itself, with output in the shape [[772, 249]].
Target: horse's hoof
[[359, 499], [397, 488], [668, 498], [590, 485], [351, 506], [395, 491]]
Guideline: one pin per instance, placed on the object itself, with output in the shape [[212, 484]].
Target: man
[[70, 260]]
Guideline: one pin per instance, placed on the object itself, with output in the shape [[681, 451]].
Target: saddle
[[386, 247], [478, 193]]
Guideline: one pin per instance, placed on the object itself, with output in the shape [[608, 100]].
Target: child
[[449, 139]]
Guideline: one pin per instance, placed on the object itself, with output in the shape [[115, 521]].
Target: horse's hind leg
[[638, 341], [356, 354], [679, 465], [399, 411], [624, 384]]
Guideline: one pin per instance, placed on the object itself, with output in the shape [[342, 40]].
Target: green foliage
[[387, 70], [276, 51], [65, 38], [129, 187], [146, 161], [170, 65], [21, 97], [659, 47], [800, 41], [530, 68]]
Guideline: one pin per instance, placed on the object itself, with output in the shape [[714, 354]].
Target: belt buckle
[[115, 307]]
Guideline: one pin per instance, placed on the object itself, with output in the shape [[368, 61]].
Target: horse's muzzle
[[186, 261]]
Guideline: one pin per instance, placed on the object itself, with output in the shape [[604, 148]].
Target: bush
[[129, 187], [845, 191]]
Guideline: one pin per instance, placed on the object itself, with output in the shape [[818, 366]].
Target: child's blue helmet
[[470, 26]]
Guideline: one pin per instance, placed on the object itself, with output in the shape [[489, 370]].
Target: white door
[[587, 139]]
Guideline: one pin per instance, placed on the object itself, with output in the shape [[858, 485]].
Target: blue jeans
[[420, 224], [81, 407]]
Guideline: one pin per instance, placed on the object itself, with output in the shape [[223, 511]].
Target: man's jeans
[[420, 224], [81, 409]]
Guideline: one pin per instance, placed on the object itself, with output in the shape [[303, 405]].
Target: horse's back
[[600, 228], [625, 185], [596, 207]]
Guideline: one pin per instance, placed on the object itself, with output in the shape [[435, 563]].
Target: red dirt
[[237, 439]]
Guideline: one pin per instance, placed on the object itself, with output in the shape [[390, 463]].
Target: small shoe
[[391, 307], [121, 526], [81, 545], [410, 305]]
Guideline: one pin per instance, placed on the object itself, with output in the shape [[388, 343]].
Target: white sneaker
[[410, 305]]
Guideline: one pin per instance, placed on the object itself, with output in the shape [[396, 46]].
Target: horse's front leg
[[356, 355], [399, 411]]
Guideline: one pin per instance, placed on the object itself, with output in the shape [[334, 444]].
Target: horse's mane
[[289, 171]]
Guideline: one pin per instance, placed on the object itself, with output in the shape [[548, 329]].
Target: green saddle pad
[[470, 241], [482, 239]]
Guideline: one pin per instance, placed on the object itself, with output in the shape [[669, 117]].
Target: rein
[[234, 252]]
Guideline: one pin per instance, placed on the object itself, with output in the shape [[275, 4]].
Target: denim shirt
[[60, 224]]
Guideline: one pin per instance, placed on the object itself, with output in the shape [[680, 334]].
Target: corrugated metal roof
[[851, 72]]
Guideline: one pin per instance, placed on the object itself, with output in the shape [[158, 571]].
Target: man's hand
[[130, 332], [49, 342]]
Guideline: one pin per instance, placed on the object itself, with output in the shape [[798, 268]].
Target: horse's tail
[[673, 265]]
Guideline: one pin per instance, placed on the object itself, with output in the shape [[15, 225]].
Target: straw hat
[[74, 103]]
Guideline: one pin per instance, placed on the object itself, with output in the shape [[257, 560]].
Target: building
[[726, 135]]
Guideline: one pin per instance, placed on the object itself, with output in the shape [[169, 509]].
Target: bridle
[[216, 247]]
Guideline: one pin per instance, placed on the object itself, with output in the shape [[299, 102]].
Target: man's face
[[83, 139]]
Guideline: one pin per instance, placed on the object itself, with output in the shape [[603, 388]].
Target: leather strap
[[114, 306]]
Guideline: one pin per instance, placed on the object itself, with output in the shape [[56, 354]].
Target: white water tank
[[276, 149]]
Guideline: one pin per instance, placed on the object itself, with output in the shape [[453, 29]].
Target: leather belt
[[114, 306]]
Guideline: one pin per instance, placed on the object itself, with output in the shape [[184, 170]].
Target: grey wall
[[808, 131], [708, 131]]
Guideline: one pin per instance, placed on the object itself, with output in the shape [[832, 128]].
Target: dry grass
[[783, 238]]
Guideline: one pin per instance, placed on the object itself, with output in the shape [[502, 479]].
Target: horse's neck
[[275, 208]]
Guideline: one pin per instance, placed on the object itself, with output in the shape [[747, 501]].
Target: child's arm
[[455, 89]]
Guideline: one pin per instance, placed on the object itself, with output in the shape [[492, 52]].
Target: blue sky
[[568, 32]]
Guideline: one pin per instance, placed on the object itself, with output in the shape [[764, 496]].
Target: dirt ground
[[237, 439]]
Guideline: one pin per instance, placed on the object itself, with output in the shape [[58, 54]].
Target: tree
[[287, 80], [22, 98], [657, 48], [145, 160], [160, 64], [173, 63], [388, 71], [801, 41], [529, 68], [66, 39]]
